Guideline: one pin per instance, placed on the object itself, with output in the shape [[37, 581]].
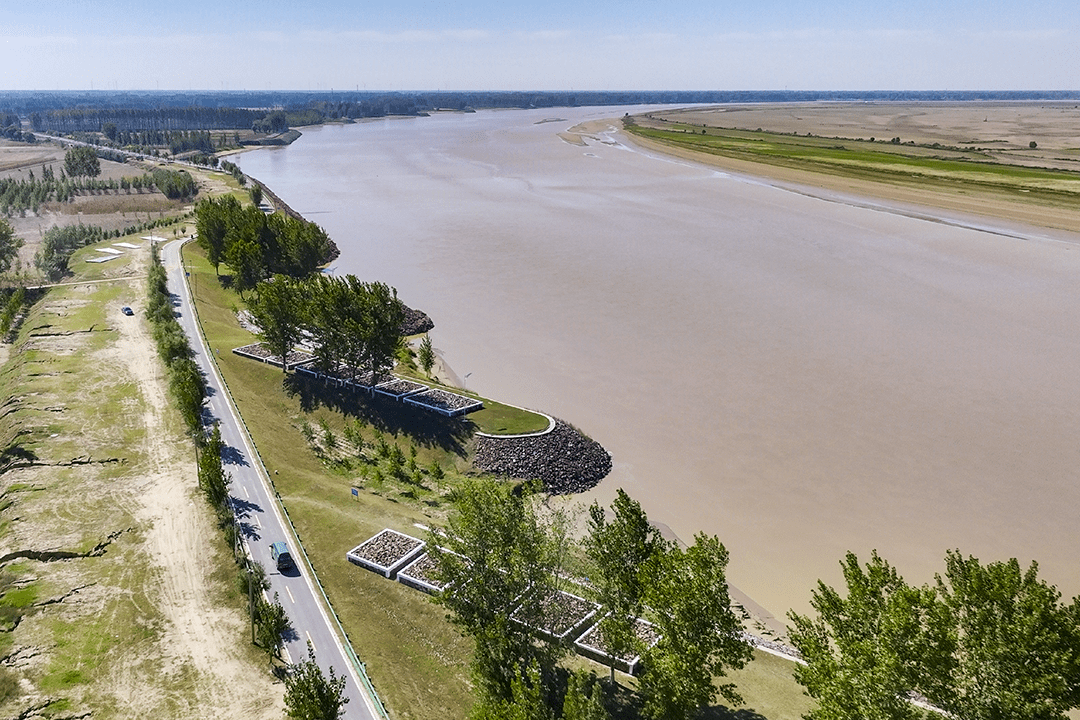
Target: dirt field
[[1001, 127], [989, 132], [109, 210], [146, 621]]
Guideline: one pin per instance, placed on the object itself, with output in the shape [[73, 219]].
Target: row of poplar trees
[[257, 246], [984, 642], [504, 554]]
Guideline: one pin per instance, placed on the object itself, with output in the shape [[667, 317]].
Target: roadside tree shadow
[[232, 456], [624, 704], [722, 712], [428, 429], [248, 530], [243, 509], [17, 452], [291, 634]]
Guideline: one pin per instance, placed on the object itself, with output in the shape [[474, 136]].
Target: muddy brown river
[[799, 375]]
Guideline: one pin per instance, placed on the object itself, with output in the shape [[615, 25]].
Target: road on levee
[[261, 519]]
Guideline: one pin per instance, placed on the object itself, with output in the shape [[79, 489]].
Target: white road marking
[[246, 492], [289, 593], [310, 641]]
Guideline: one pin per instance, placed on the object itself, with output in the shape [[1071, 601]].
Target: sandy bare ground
[[201, 635], [1005, 130], [178, 642]]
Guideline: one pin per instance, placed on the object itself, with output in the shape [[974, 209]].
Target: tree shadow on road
[[232, 456]]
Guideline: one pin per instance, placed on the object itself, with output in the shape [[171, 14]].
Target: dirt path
[[202, 637]]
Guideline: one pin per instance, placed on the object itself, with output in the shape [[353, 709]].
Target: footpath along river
[[798, 376]]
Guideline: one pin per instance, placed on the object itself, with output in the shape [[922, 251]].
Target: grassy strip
[[417, 662], [955, 170]]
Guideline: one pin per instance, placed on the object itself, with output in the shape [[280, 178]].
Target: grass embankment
[[417, 661], [89, 634], [948, 169]]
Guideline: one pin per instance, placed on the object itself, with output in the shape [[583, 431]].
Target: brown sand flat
[[1003, 129]]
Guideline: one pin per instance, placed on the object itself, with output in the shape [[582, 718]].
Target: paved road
[[261, 519]]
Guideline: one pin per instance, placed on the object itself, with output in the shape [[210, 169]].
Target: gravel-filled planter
[[362, 378], [564, 460], [386, 552], [259, 351], [398, 388], [443, 402], [420, 575], [564, 615], [591, 645]]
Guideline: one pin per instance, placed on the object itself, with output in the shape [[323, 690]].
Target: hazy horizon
[[482, 45]]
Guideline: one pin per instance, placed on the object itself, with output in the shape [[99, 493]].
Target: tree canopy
[[497, 552], [310, 695], [82, 160], [984, 643], [619, 554], [687, 593], [257, 246], [9, 245]]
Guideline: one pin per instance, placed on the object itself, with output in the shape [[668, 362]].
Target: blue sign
[[356, 493]]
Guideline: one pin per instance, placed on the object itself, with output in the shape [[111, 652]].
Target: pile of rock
[[564, 460], [416, 321]]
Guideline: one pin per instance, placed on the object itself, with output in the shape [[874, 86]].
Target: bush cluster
[[186, 382]]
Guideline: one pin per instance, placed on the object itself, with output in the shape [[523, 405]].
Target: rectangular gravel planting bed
[[386, 552], [420, 575], [398, 388], [565, 615], [363, 378], [591, 645], [445, 403], [259, 351]]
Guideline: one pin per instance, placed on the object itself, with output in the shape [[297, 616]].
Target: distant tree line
[[196, 110], [234, 170], [257, 246], [94, 119], [11, 128], [174, 184], [58, 244], [18, 195]]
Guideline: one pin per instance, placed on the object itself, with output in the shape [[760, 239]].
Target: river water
[[800, 376]]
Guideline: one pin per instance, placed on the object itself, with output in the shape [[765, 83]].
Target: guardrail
[[358, 665]]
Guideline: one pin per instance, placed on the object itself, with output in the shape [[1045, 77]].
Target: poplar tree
[[9, 245], [310, 695], [1017, 647], [619, 552], [687, 593], [279, 309], [499, 559], [864, 651]]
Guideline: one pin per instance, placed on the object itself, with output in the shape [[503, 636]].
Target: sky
[[554, 45]]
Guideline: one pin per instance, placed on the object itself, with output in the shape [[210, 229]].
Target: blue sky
[[555, 45]]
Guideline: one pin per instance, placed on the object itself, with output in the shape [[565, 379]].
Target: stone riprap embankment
[[563, 459], [416, 321]]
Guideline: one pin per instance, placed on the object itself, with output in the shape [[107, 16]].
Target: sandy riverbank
[[1004, 129]]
